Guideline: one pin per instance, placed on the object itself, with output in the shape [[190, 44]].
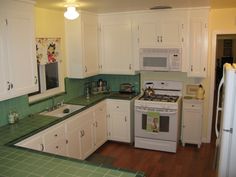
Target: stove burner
[[160, 98]]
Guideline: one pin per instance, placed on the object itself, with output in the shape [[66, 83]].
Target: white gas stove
[[157, 117]]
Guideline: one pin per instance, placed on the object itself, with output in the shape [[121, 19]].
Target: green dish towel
[[153, 122]]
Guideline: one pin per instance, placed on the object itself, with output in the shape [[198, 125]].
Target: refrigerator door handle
[[229, 130], [218, 109]]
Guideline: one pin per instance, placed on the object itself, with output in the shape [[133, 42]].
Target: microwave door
[[155, 62]]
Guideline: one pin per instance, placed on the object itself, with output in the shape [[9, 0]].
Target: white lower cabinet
[[119, 118], [76, 137], [192, 114]]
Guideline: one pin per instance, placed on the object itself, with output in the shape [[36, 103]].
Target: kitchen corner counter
[[22, 162]]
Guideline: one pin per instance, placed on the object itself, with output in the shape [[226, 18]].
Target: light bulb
[[71, 13]]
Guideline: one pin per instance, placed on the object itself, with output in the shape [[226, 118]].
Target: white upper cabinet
[[116, 48], [82, 46], [161, 29], [198, 43], [17, 46]]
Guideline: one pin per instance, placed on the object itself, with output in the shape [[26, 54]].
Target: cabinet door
[[147, 34], [73, 137], [21, 53], [82, 46], [119, 120], [86, 134], [198, 47], [117, 50], [119, 127], [171, 34], [100, 124], [4, 72], [90, 36], [192, 126], [73, 144]]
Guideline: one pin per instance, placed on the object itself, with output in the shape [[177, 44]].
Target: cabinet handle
[[130, 67], [125, 119], [67, 141], [8, 85], [36, 80], [192, 105], [86, 69], [158, 40], [117, 106], [204, 69], [12, 85], [161, 38], [96, 124], [42, 147], [191, 67], [81, 133]]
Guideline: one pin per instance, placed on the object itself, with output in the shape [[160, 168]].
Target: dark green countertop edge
[[89, 103]]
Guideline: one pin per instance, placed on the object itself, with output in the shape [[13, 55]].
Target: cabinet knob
[[42, 147], [55, 135], [130, 67], [35, 80], [8, 85], [117, 107], [57, 147]]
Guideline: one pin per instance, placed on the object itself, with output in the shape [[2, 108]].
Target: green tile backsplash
[[74, 88]]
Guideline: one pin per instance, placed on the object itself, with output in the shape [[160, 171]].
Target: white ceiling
[[106, 6]]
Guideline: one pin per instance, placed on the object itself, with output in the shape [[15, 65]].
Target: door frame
[[212, 76]]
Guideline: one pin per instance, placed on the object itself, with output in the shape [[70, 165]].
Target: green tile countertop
[[21, 162]]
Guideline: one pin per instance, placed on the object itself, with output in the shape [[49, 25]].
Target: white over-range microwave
[[160, 59]]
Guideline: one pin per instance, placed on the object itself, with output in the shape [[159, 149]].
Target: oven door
[[167, 125]]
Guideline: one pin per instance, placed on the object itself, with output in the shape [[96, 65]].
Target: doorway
[[225, 53]]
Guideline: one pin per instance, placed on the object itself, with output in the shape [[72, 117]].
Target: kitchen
[[50, 20]]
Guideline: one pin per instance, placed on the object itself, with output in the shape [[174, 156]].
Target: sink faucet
[[53, 104]]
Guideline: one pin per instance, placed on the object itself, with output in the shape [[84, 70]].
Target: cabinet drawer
[[192, 106], [55, 134], [119, 106]]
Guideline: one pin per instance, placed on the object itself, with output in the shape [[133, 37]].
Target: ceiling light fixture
[[71, 13]]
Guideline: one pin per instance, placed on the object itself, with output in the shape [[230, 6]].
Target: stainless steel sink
[[63, 110]]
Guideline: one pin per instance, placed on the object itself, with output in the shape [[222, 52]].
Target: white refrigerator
[[226, 135]]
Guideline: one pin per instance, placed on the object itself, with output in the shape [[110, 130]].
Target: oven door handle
[[161, 112]]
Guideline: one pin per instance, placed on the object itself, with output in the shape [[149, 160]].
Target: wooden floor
[[189, 161]]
